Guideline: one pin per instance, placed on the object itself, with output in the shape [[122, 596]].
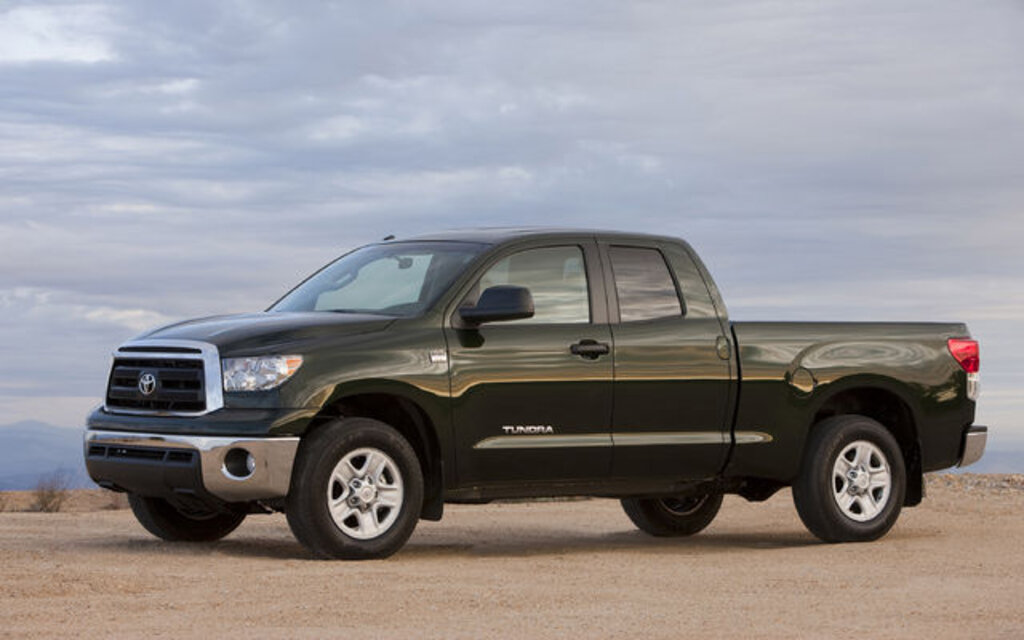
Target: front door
[[525, 406]]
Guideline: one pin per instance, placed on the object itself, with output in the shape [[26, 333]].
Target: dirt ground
[[951, 568]]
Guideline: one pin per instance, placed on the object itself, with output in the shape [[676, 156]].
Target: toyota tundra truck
[[470, 366]]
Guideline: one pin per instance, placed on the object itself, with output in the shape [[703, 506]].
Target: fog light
[[239, 464]]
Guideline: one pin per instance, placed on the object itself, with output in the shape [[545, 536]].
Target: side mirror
[[503, 302]]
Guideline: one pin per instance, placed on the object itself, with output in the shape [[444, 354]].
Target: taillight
[[965, 352]]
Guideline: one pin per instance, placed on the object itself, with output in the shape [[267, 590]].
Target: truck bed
[[793, 374]]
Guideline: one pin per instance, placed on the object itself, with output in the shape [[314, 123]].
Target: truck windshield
[[395, 279]]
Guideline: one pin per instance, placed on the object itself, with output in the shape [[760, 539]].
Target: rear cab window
[[644, 285]]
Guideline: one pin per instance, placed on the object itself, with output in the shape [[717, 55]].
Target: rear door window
[[643, 284]]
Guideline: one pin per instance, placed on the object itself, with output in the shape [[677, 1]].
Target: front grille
[[141, 454], [177, 384]]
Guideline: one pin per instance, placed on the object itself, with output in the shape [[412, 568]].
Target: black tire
[[371, 521], [673, 517], [837, 506], [164, 520]]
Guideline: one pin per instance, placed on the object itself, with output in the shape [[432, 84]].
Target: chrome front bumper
[[134, 455], [975, 438]]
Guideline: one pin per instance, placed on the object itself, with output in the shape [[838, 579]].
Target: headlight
[[258, 374]]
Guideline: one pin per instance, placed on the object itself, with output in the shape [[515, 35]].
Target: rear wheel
[[852, 481], [169, 522], [677, 516], [356, 492]]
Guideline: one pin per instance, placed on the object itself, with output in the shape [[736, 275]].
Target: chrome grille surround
[[205, 355]]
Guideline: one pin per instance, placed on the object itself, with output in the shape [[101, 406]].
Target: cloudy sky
[[830, 160]]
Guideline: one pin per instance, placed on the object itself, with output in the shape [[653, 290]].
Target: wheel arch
[[893, 411], [410, 419]]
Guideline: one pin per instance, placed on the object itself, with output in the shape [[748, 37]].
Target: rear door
[[525, 407], [672, 365]]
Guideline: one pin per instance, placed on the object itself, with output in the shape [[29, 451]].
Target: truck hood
[[257, 333]]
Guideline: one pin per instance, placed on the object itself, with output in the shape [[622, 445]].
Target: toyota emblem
[[147, 384]]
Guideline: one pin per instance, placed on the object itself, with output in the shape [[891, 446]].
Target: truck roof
[[498, 235]]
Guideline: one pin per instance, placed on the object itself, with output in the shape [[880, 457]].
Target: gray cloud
[[830, 160]]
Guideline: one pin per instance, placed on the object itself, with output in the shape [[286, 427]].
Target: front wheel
[[356, 491], [166, 521], [852, 481], [664, 517]]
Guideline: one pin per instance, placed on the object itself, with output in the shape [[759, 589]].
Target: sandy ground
[[951, 568]]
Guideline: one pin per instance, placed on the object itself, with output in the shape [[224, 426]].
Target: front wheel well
[[406, 417], [888, 409]]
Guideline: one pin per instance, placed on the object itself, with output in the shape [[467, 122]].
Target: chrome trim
[[212, 378], [545, 441], [669, 438], [643, 439], [975, 439], [270, 478], [752, 437]]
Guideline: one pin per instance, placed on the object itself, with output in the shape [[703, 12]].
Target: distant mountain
[[32, 449]]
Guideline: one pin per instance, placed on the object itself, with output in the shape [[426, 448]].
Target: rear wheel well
[[892, 412], [406, 417]]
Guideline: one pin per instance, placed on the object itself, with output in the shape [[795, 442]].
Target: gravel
[[976, 482], [948, 569]]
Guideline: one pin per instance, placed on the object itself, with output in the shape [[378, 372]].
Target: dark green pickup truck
[[516, 363]]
